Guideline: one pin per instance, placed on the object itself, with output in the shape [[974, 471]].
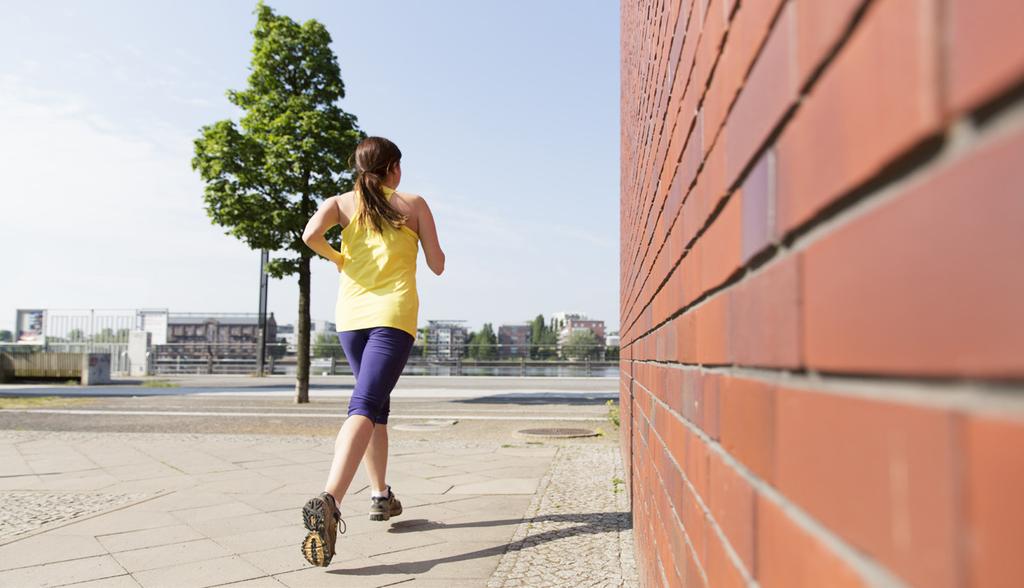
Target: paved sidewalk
[[152, 509]]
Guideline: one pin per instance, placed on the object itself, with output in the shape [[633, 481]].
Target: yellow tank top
[[377, 283]]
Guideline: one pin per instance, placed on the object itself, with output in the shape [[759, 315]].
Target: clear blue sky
[[507, 114]]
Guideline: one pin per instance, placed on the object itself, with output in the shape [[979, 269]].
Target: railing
[[329, 359]]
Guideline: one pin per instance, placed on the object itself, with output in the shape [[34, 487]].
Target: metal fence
[[326, 359]]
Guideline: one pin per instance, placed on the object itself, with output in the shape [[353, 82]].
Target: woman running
[[376, 317]]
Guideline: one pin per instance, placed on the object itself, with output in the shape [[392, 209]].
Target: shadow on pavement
[[590, 523]]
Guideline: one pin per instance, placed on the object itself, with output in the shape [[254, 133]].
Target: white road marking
[[293, 415]]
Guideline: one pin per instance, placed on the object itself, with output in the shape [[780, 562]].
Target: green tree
[[108, 335], [265, 176], [580, 344], [536, 333], [612, 353], [421, 338], [6, 335], [326, 345], [483, 344], [488, 342]]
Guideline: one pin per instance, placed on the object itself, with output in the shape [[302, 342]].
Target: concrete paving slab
[[263, 539], [161, 556], [43, 549], [148, 538], [225, 508], [356, 573], [122, 581], [242, 525], [209, 572], [454, 560], [498, 486], [63, 572]]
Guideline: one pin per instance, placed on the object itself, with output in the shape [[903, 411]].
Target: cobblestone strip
[[578, 528], [26, 510]]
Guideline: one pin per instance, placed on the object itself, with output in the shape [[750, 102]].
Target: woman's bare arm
[[428, 236], [326, 217]]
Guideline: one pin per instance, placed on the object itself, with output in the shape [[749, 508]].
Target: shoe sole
[[314, 546], [383, 516]]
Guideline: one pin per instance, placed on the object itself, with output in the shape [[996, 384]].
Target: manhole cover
[[557, 432], [427, 426]]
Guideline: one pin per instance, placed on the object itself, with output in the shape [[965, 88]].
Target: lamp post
[[261, 354]]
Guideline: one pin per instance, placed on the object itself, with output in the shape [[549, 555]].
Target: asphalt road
[[482, 408]]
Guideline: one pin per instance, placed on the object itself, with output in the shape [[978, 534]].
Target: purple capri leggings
[[377, 356]]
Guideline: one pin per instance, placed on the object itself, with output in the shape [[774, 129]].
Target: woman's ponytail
[[375, 157]]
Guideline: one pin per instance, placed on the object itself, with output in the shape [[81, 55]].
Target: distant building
[[557, 321], [288, 334], [573, 325], [446, 339], [612, 340], [218, 328], [513, 341]]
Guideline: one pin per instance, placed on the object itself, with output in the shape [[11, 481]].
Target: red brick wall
[[822, 291]]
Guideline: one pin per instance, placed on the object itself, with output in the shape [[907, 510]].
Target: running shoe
[[320, 516], [383, 508]]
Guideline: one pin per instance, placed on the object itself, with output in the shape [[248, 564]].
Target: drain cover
[[559, 432], [435, 425]]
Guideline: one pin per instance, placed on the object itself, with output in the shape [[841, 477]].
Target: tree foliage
[[581, 344], [483, 344], [327, 345], [291, 146]]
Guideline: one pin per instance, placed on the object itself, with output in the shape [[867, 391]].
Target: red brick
[[686, 337], [917, 286], [879, 474], [712, 318], [710, 44], [722, 572], [696, 464], [711, 405], [986, 55], [672, 478], [746, 34], [790, 557], [843, 134], [693, 398], [695, 525], [721, 246], [994, 479], [731, 502], [682, 15], [758, 194], [747, 423], [768, 93], [819, 26], [694, 578], [765, 316]]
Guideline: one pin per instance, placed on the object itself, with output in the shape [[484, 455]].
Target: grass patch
[[613, 412], [158, 384], [618, 484]]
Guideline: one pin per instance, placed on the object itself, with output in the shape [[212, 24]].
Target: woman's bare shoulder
[[409, 196]]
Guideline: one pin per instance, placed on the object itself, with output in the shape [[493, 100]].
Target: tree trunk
[[302, 346]]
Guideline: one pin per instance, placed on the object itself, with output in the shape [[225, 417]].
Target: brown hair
[[375, 157]]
